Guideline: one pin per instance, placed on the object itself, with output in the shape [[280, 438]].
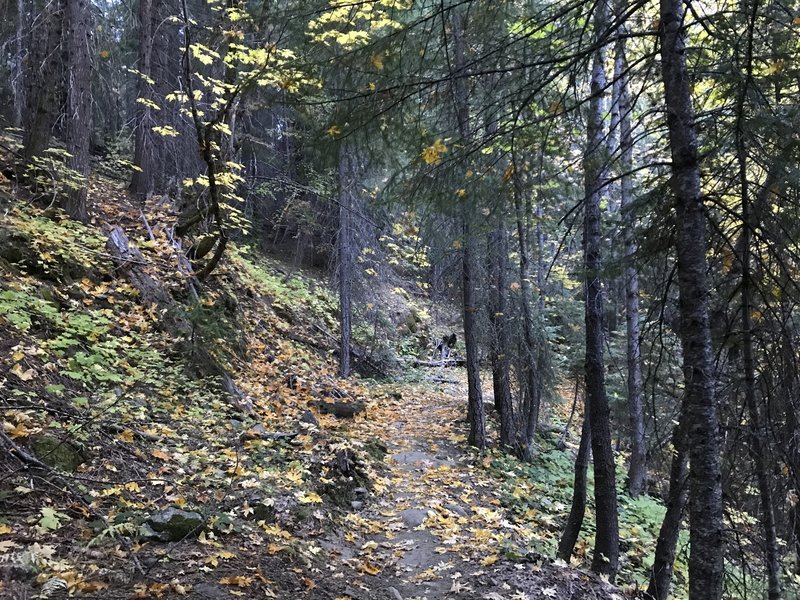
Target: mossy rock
[[56, 453]]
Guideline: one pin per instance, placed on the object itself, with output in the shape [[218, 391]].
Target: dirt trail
[[435, 527]]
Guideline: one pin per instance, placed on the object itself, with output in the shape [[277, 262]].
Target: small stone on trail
[[357, 504], [309, 418], [413, 517], [394, 594], [360, 491], [455, 508]]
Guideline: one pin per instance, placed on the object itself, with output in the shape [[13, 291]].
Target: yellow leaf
[[160, 454], [23, 375], [104, 53], [16, 431], [126, 436], [333, 131], [377, 61], [432, 154], [490, 560], [4, 529], [92, 586], [237, 580], [309, 498], [368, 568], [461, 192]]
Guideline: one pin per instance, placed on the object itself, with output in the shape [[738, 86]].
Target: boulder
[[174, 524]]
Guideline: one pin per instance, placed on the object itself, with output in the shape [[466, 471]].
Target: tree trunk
[[500, 343], [475, 412], [142, 181], [664, 559], [529, 419], [42, 93], [637, 470], [79, 102], [347, 182], [606, 551], [18, 66], [705, 489], [576, 513], [757, 448]]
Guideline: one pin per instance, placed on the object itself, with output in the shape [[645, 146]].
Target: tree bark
[[574, 523], [637, 469], [142, 181], [757, 449], [500, 343], [79, 102], [475, 411], [705, 489], [42, 93], [606, 552], [529, 419], [345, 252], [667, 543]]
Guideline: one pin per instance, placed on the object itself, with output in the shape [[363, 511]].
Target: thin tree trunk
[[475, 412], [667, 543], [42, 93], [79, 102], [637, 470], [756, 446], [706, 570], [345, 251], [574, 523], [18, 69], [529, 384], [500, 343], [142, 181], [606, 552]]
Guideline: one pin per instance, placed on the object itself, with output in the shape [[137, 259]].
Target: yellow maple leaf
[[490, 560], [23, 375], [237, 580], [309, 498], [4, 528], [160, 454], [432, 155], [126, 436], [368, 568]]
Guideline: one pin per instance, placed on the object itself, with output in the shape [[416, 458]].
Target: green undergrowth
[[538, 496]]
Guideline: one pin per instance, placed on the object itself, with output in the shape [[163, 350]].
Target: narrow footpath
[[434, 526]]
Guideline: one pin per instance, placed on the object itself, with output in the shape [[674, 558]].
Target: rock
[[18, 565], [394, 594], [360, 491], [210, 591], [147, 533], [235, 423], [175, 524], [262, 512], [309, 418], [357, 504], [257, 431], [456, 509], [340, 410], [56, 453], [413, 517]]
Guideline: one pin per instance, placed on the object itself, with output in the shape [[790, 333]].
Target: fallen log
[[447, 362]]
